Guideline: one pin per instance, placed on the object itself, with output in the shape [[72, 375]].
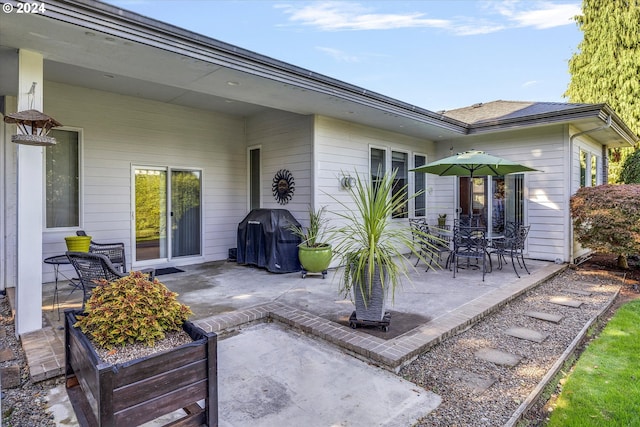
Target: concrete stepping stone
[[6, 354], [579, 292], [10, 376], [498, 357], [526, 334], [548, 317], [476, 383], [568, 302]]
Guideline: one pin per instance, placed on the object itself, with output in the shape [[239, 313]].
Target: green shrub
[[131, 309], [631, 169], [606, 219]]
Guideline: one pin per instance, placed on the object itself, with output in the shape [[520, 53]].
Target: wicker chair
[[92, 267], [114, 251]]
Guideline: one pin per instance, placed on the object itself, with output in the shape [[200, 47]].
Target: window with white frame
[[419, 187], [62, 180], [400, 164], [383, 159], [589, 168], [378, 164]]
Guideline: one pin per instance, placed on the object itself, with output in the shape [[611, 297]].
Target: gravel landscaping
[[474, 391]]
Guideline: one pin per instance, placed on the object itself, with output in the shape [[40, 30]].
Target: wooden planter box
[[143, 389]]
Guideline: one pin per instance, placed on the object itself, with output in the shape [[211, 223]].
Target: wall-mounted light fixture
[[348, 181]]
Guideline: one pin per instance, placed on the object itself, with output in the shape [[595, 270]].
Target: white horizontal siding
[[286, 143], [546, 196], [342, 148], [583, 143], [119, 132]]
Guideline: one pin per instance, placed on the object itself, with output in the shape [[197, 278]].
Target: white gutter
[[571, 138]]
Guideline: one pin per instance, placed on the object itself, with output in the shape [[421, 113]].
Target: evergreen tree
[[606, 67], [631, 169]]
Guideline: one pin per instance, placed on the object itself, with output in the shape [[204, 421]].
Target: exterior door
[[150, 214], [474, 192], [167, 216], [504, 203], [185, 212]]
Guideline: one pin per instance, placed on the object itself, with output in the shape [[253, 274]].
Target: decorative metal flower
[[283, 186]]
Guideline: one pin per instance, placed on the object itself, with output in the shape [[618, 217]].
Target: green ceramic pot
[[316, 259]]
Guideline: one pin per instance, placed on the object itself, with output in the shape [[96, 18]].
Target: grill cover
[[264, 240]]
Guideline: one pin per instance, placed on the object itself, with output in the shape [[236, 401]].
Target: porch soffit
[[99, 46]]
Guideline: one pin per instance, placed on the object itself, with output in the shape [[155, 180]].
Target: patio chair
[[92, 267], [469, 243], [114, 251], [440, 244], [468, 221], [418, 227], [512, 245]]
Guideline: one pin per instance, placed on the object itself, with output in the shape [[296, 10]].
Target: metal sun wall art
[[283, 186]]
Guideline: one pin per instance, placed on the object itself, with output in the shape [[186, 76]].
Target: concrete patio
[[227, 298]]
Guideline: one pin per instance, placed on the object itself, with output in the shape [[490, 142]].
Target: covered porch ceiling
[[95, 45], [98, 46]]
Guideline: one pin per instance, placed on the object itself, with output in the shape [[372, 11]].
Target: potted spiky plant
[[371, 245], [314, 253]]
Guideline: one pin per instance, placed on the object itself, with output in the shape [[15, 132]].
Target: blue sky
[[437, 55]]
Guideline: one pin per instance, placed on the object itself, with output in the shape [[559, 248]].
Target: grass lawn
[[604, 387]]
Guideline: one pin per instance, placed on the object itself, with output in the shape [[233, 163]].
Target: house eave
[[591, 114], [104, 18]]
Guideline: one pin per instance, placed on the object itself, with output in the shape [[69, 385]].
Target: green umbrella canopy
[[472, 163]]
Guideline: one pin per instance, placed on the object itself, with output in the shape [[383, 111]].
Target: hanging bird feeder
[[34, 127]]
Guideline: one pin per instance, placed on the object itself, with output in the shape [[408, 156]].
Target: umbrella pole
[[471, 199]]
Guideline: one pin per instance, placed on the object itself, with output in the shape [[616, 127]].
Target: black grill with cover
[[264, 240]]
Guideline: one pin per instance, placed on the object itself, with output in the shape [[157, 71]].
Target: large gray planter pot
[[371, 308]]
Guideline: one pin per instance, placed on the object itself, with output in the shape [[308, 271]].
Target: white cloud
[[494, 16], [539, 15], [333, 16], [338, 54], [530, 83]]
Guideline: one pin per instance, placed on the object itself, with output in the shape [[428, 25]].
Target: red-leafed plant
[[606, 219], [131, 309]]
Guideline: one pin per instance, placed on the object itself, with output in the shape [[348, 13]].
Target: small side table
[[57, 261]]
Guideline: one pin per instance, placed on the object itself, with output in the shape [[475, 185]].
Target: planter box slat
[[195, 420], [84, 413], [145, 389], [150, 366], [177, 399], [151, 388]]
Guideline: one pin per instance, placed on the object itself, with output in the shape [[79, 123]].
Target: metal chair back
[[469, 243], [92, 267], [114, 251]]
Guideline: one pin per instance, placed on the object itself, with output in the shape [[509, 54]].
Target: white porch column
[[30, 195]]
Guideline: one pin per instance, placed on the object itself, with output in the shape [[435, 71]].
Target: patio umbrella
[[472, 163]]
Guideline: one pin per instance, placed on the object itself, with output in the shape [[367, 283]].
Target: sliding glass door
[[167, 216], [185, 213]]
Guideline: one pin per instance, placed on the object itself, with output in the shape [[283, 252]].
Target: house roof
[[598, 119], [504, 110], [92, 44]]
